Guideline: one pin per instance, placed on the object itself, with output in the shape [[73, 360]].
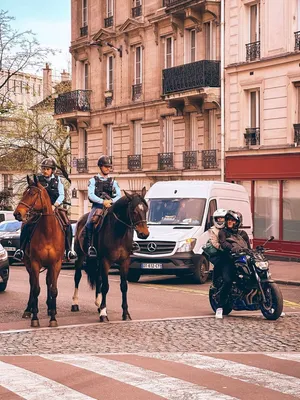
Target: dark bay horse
[[45, 249], [114, 245]]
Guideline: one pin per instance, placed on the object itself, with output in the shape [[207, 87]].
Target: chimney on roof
[[47, 81], [64, 76]]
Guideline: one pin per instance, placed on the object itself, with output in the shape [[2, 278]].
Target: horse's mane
[[120, 204]]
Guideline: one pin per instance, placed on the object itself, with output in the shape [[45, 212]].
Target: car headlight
[[186, 245], [3, 254], [262, 264]]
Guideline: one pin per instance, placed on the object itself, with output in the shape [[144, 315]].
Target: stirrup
[[19, 255], [71, 255], [92, 252]]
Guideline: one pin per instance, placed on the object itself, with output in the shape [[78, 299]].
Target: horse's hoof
[[35, 323], [104, 318], [26, 314], [53, 324], [126, 317], [75, 307]]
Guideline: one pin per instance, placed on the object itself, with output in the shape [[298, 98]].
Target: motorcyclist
[[55, 189], [102, 192], [231, 240]]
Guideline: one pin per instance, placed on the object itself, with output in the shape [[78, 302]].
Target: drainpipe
[[222, 91]]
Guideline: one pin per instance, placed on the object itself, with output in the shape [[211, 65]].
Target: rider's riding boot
[[70, 254], [92, 252], [19, 255]]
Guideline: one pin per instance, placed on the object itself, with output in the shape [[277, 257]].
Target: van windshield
[[176, 211], [10, 226]]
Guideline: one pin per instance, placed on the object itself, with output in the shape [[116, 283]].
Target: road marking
[[291, 303], [31, 386], [154, 382], [285, 356], [257, 376]]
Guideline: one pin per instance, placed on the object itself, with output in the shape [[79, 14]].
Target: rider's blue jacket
[[91, 190]]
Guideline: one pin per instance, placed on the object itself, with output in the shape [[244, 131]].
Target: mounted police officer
[[56, 192], [102, 192]]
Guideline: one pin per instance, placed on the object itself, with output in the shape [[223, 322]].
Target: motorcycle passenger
[[55, 189], [102, 192], [231, 240], [216, 257]]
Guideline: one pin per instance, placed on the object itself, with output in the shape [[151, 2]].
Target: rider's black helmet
[[48, 163], [104, 161], [235, 216]]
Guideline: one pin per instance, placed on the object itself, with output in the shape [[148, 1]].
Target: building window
[[137, 137], [109, 8], [212, 136], [84, 12], [193, 132], [291, 210], [210, 47], [254, 23], [86, 76], [169, 52], [168, 134], [254, 108], [109, 140], [138, 65], [110, 73], [192, 45]]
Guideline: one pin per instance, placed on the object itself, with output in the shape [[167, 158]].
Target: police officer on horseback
[[102, 192], [55, 189]]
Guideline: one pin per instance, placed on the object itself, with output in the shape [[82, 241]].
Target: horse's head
[[138, 213], [34, 200]]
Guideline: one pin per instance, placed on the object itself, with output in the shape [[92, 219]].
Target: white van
[[180, 214], [6, 216]]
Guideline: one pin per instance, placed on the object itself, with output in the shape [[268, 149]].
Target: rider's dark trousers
[[228, 274], [89, 224]]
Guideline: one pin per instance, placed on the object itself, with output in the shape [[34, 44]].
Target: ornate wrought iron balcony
[[108, 21], [136, 91], [134, 162], [191, 76], [165, 161], [253, 51], [209, 159], [173, 3], [190, 159], [252, 136], [297, 134], [297, 40], [77, 100], [136, 11], [84, 30], [82, 165]]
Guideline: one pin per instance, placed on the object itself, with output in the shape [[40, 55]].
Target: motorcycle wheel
[[214, 302], [273, 307]]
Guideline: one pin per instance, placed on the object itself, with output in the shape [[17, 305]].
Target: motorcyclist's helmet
[[219, 218], [105, 161], [232, 215], [48, 163], [241, 218]]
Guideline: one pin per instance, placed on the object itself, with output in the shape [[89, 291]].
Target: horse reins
[[132, 225], [31, 208]]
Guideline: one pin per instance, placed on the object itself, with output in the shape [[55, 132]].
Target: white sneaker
[[219, 313], [282, 314]]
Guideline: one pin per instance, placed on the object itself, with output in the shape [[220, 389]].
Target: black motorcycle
[[253, 288]]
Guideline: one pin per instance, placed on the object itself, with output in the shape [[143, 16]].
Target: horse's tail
[[92, 271]]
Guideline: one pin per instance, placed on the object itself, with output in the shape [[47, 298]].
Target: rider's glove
[[107, 203]]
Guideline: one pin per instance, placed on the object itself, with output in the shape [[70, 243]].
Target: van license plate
[[151, 266], [10, 248]]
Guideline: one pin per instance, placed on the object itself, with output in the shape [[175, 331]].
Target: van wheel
[[133, 276], [200, 274]]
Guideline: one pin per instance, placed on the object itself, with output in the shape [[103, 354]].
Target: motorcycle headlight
[[262, 264], [3, 254], [186, 245]]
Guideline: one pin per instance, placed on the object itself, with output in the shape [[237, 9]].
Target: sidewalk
[[285, 272]]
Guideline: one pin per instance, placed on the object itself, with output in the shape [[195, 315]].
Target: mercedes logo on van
[[9, 242], [151, 247]]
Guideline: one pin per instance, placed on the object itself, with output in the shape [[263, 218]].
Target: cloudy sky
[[50, 21]]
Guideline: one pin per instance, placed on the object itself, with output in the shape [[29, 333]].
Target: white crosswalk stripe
[[174, 376]]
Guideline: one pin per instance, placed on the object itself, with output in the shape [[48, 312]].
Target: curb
[[285, 282]]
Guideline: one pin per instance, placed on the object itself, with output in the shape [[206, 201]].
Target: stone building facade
[[262, 114], [145, 90]]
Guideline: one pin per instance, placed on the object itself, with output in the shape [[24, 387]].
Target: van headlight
[[3, 254], [186, 245]]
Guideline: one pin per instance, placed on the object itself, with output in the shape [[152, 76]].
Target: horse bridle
[[31, 208], [132, 224]]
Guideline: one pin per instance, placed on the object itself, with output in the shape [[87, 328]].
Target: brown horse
[[45, 249], [114, 245]]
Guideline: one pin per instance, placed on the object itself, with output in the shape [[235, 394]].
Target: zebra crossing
[[175, 376]]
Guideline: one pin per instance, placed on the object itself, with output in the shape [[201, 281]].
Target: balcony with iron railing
[[165, 161], [136, 91], [209, 159], [252, 136], [297, 40], [134, 162], [297, 134], [84, 30], [190, 159], [136, 11], [108, 22], [69, 102], [253, 51], [205, 73], [82, 165], [169, 4]]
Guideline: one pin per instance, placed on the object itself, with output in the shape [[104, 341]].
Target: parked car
[[10, 237], [4, 268]]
